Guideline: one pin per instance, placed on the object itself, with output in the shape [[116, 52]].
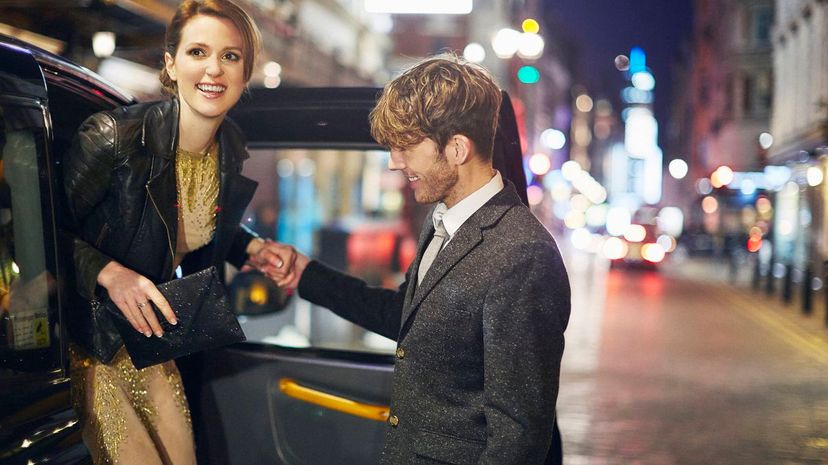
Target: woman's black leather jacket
[[120, 183]]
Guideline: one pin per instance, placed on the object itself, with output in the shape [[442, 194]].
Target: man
[[479, 320]]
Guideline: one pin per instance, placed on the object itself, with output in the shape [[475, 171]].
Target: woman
[[151, 188]]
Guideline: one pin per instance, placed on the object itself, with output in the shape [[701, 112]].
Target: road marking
[[813, 346]]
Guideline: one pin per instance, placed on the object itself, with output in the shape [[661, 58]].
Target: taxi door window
[[344, 208], [29, 342]]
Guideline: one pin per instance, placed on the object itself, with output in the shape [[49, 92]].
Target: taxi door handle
[[295, 390]]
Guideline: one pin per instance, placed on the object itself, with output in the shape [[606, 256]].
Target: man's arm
[[524, 318], [376, 309]]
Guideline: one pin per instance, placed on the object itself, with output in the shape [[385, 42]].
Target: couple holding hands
[[479, 320]]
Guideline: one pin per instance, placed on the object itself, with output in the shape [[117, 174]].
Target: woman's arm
[[87, 176]]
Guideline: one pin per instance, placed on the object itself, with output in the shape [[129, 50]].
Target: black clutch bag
[[205, 321]]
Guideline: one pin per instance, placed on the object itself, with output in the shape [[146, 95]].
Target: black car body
[[257, 402]]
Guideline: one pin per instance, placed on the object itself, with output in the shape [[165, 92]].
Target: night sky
[[603, 29]]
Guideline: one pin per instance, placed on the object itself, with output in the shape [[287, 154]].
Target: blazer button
[[393, 421], [400, 353]]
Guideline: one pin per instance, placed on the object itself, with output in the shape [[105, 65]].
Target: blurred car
[[252, 403], [698, 243], [639, 247]]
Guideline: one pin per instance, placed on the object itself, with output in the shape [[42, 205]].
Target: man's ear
[[460, 149], [169, 63]]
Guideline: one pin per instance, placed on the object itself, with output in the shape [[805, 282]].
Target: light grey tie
[[434, 247]]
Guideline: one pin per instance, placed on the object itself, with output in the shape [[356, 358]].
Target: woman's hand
[[134, 295], [275, 260]]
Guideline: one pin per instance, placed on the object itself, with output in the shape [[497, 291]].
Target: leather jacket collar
[[160, 135]]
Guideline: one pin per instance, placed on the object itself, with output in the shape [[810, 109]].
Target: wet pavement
[[680, 367]]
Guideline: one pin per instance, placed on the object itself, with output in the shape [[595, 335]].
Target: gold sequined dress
[[133, 416]]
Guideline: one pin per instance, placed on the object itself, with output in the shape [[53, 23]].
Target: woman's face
[[208, 67]]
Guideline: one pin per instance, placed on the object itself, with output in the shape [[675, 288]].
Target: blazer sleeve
[[87, 175], [373, 308], [524, 317]]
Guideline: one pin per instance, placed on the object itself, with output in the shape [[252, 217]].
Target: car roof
[[25, 58], [337, 117], [307, 117]]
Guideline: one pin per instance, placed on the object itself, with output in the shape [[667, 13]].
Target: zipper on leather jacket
[[157, 210]]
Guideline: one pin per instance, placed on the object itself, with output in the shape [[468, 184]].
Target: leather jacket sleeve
[[237, 254], [87, 175]]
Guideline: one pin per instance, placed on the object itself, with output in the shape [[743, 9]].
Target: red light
[[754, 244]]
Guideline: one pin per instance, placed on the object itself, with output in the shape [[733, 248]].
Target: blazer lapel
[[469, 236]]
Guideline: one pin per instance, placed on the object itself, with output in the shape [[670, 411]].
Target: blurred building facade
[[799, 126], [313, 42], [731, 91]]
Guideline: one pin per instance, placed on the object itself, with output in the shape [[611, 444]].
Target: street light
[[103, 44], [815, 176], [474, 53], [505, 43], [553, 138], [530, 46], [678, 168], [765, 140]]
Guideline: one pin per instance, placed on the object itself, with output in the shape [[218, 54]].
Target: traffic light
[[528, 74]]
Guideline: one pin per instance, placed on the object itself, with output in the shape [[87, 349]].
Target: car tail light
[[754, 243]]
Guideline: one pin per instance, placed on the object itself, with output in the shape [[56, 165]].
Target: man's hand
[[134, 295]]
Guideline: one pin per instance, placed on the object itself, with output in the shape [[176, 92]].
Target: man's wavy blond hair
[[437, 98]]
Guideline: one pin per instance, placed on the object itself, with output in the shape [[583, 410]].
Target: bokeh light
[[618, 220], [534, 194], [575, 219], [667, 242], [540, 164], [530, 46], [678, 168], [570, 170], [505, 43], [710, 204], [703, 186], [584, 103], [622, 62], [474, 53], [765, 140], [615, 248], [553, 138], [815, 176], [531, 26], [635, 233], [652, 252]]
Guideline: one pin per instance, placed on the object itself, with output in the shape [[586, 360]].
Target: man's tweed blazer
[[480, 340]]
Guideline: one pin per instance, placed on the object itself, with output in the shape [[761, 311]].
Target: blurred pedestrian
[[479, 320], [153, 187]]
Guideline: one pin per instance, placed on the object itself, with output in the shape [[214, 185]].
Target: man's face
[[429, 173]]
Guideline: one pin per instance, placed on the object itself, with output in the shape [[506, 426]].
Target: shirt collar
[[455, 216]]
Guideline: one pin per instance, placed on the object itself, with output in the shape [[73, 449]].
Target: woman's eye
[[231, 56], [196, 52]]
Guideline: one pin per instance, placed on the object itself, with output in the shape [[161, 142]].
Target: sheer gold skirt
[[131, 416]]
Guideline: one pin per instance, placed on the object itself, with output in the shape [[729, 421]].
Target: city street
[[678, 367]]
